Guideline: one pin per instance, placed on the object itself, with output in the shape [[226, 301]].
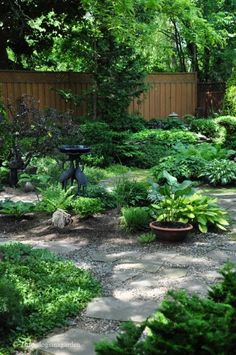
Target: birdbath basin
[[75, 171], [75, 149]]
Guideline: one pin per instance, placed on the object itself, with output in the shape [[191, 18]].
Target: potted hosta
[[177, 206]]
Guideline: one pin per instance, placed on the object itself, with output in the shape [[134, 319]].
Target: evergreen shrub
[[184, 324]]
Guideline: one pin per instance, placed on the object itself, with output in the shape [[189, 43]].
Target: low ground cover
[[44, 291]]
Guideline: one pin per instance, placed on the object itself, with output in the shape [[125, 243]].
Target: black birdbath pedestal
[[75, 171]]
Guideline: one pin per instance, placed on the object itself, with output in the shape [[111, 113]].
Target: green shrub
[[167, 124], [10, 306], [230, 95], [98, 136], [181, 168], [143, 155], [86, 206], [209, 128], [38, 180], [17, 208], [219, 172], [205, 151], [108, 199], [183, 324], [131, 122], [188, 161], [47, 167], [135, 218], [95, 174], [131, 193], [4, 174], [50, 290], [168, 138], [229, 123]]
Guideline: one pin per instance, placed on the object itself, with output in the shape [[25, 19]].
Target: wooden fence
[[168, 91]]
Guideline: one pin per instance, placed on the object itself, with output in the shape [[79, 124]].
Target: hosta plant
[[178, 202], [219, 172], [198, 210]]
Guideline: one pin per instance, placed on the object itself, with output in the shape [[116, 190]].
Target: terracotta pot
[[170, 234]]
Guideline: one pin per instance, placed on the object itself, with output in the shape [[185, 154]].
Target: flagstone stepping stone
[[120, 309], [230, 246], [155, 280], [114, 256], [186, 260], [193, 286], [123, 275], [57, 247], [146, 266], [221, 256], [73, 342], [158, 257]]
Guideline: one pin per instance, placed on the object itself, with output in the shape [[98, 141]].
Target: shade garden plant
[[44, 291]]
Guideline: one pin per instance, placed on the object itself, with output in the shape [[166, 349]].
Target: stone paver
[[103, 257], [185, 260], [221, 256], [193, 286], [118, 309], [73, 342], [155, 280], [57, 247]]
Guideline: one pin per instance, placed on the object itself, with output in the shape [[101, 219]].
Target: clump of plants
[[189, 161], [87, 206], [219, 172], [108, 199], [167, 124], [38, 291], [209, 128], [131, 193], [184, 324], [55, 197], [17, 209], [146, 238], [135, 218]]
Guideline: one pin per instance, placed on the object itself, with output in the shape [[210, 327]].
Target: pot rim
[[154, 226]]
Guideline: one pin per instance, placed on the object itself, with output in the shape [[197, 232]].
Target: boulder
[[60, 218]]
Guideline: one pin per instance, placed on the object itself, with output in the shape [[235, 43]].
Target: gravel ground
[[126, 269]]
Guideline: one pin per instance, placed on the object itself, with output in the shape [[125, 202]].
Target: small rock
[[60, 218], [29, 187]]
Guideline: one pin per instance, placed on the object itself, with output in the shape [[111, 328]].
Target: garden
[[113, 225]]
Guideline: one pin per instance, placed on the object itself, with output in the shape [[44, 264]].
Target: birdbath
[[75, 171]]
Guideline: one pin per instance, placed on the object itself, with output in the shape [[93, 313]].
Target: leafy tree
[[107, 41], [31, 25]]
